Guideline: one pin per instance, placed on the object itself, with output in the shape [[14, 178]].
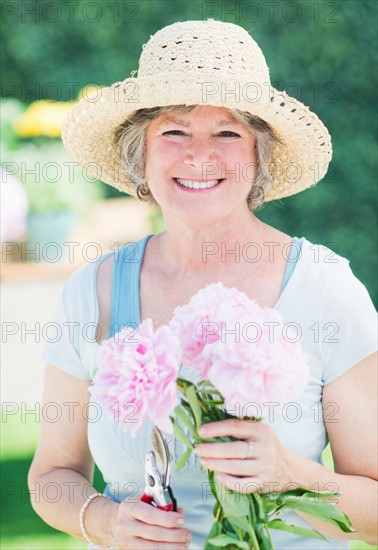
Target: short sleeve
[[348, 322], [73, 331]]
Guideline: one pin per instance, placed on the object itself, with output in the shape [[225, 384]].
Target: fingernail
[[180, 521], [198, 449], [202, 430]]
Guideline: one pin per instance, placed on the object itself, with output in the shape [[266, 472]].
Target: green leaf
[[212, 402], [259, 506], [240, 522], [215, 531], [264, 539], [268, 504], [305, 495], [206, 392], [224, 540], [181, 435], [183, 385], [192, 397], [213, 486], [281, 525], [328, 515], [233, 503], [185, 419], [207, 386], [309, 503], [183, 459]]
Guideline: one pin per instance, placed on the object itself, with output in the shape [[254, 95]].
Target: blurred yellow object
[[42, 118]]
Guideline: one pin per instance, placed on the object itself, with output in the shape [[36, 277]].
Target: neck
[[184, 249]]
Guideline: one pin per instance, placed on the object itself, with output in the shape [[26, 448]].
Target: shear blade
[[161, 452]]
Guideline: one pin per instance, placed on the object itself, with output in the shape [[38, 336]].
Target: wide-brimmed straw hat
[[201, 63]]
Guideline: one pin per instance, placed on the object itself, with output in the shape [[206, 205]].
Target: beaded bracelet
[[81, 518]]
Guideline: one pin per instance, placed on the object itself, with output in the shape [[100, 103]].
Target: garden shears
[[158, 492]]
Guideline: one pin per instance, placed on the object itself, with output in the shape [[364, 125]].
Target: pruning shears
[[158, 492]]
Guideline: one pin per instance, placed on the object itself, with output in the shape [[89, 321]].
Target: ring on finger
[[249, 450]]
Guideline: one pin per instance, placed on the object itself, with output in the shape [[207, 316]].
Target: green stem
[[219, 512], [269, 536], [240, 533], [252, 516]]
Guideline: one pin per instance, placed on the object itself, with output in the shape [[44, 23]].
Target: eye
[[228, 133], [174, 133]]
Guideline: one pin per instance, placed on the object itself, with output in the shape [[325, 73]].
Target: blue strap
[[125, 286], [294, 255]]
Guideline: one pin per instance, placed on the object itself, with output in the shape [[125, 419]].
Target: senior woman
[[202, 133]]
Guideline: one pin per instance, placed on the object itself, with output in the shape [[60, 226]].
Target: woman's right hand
[[140, 525]]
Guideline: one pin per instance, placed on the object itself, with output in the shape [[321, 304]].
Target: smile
[[190, 184]]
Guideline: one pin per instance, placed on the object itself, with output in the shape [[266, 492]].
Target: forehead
[[203, 113]]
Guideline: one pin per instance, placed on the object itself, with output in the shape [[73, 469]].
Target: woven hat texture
[[201, 63]]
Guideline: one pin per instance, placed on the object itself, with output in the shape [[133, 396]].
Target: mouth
[[197, 185]]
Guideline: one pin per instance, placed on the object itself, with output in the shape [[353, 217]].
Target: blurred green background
[[324, 53]]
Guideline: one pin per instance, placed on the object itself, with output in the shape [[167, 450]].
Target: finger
[[158, 533], [241, 429], [149, 514], [233, 449], [243, 468], [245, 485]]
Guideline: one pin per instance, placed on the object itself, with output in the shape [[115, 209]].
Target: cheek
[[237, 151], [161, 158], [240, 160]]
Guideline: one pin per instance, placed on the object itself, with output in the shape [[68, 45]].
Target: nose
[[200, 152]]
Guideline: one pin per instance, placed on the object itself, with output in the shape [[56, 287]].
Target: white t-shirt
[[330, 311]]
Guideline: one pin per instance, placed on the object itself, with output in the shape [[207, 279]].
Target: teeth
[[197, 184]]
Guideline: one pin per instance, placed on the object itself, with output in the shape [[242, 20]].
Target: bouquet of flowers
[[227, 338]]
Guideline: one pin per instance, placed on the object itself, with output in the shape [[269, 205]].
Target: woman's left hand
[[257, 462]]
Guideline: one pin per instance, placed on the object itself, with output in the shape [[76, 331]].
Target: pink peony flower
[[197, 324], [257, 370], [137, 377], [249, 357]]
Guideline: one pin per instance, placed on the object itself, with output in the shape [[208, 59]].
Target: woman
[[202, 132]]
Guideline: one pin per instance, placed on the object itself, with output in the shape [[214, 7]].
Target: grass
[[54, 541], [21, 528]]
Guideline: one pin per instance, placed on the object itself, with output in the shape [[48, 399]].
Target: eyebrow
[[180, 122]]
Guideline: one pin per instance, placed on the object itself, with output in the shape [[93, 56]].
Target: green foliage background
[[324, 53]]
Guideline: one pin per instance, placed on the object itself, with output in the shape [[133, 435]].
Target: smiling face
[[200, 162]]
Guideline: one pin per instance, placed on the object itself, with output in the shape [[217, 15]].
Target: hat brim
[[298, 163]]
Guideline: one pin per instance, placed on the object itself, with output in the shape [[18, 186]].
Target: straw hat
[[205, 63]]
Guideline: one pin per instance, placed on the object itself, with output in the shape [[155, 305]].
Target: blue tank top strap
[[125, 286], [294, 255]]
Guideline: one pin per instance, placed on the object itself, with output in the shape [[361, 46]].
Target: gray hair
[[130, 138]]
